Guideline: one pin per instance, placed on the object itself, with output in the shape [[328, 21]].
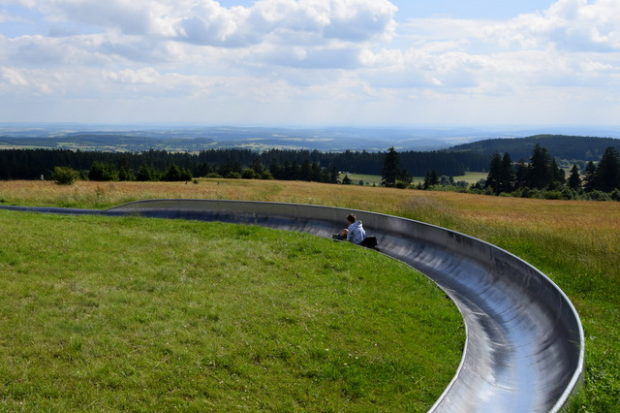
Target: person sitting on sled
[[355, 231]]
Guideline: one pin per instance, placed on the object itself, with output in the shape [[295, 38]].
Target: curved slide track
[[524, 348]]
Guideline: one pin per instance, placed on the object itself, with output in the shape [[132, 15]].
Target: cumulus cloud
[[312, 58], [42, 51], [207, 22], [574, 43], [576, 25]]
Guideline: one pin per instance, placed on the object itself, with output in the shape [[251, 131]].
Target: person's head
[[351, 218]]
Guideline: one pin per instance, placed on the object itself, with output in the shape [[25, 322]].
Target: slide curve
[[524, 349]]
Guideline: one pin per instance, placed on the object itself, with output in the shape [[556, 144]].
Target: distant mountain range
[[560, 146], [255, 138], [183, 138]]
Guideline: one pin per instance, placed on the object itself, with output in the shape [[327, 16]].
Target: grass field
[[577, 243], [469, 177], [103, 314], [367, 179]]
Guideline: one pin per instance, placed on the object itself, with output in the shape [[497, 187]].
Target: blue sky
[[311, 62]]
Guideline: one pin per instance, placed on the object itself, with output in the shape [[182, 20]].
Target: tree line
[[542, 173], [32, 163]]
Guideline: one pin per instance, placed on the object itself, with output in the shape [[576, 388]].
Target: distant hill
[[583, 148], [205, 138]]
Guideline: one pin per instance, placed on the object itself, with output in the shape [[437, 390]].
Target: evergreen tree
[[316, 172], [559, 178], [276, 170], [305, 173], [607, 175], [494, 175], [574, 180], [125, 174], [258, 166], [100, 171], [540, 172], [590, 176], [333, 175], [146, 173], [230, 167], [391, 168], [175, 173], [431, 179], [521, 175], [346, 180], [507, 175]]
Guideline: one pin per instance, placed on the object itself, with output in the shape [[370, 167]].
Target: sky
[[311, 62]]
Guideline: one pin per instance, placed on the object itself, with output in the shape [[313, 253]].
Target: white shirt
[[356, 232]]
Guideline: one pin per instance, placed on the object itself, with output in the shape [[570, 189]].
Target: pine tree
[[100, 171], [521, 175], [125, 174], [391, 168], [607, 175], [494, 176], [574, 180], [258, 166], [146, 173], [431, 179], [333, 175], [316, 172], [506, 175], [590, 176], [540, 171], [305, 173]]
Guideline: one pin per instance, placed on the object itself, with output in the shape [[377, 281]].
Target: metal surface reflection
[[525, 344]]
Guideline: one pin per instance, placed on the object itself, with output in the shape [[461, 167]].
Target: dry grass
[[528, 213]]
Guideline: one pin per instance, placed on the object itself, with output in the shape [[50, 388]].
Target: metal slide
[[525, 345]]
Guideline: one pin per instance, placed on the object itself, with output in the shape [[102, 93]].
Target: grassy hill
[[132, 314], [561, 146], [576, 243]]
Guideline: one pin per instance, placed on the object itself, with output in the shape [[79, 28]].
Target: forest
[[574, 148], [542, 177], [282, 164]]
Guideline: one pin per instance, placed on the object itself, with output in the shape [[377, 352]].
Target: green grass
[[576, 243], [107, 314], [469, 177], [367, 179]]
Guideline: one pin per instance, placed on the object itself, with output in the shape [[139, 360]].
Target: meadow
[[134, 314], [576, 243], [370, 180]]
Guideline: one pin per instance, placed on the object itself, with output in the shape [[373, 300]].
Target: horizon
[[293, 126]]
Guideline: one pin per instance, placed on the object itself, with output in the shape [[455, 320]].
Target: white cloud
[[574, 25], [323, 55], [206, 22], [12, 77], [145, 76]]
